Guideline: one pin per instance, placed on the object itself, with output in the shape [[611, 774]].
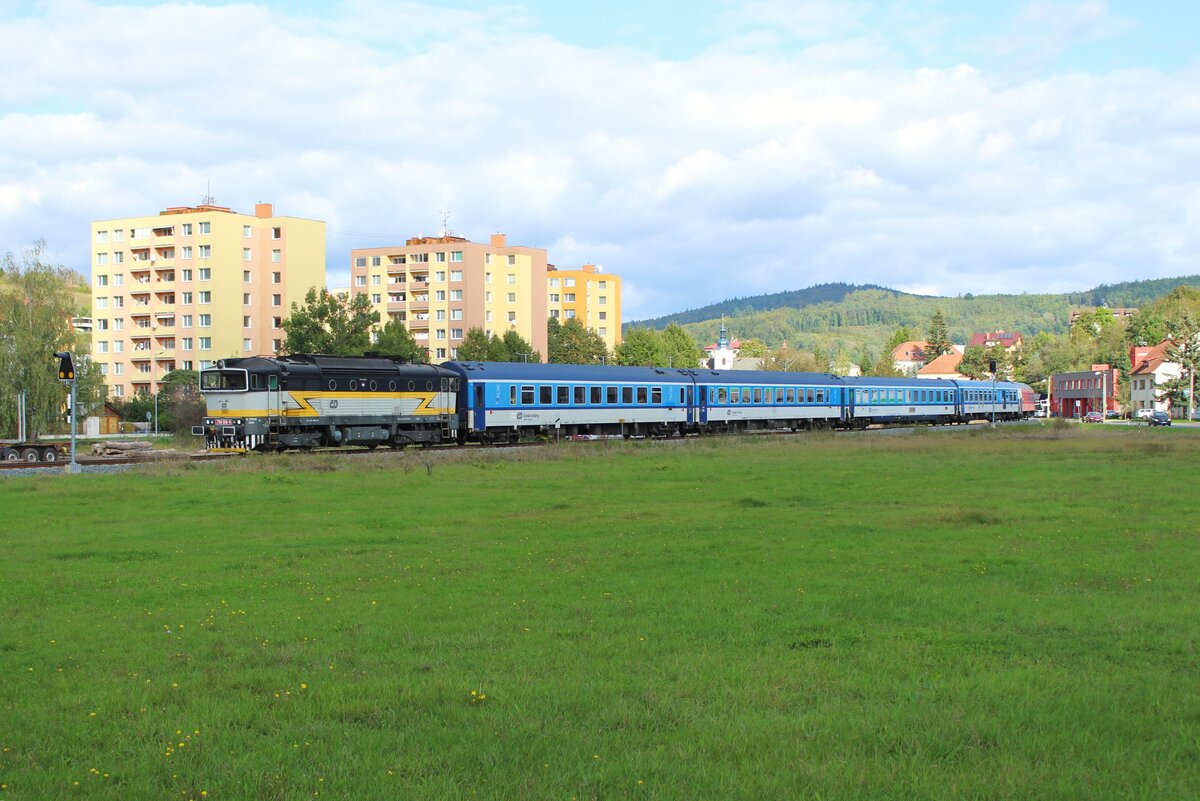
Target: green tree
[[641, 347], [571, 343], [938, 339], [474, 347], [37, 302], [884, 367], [497, 350], [518, 348], [793, 361], [397, 342], [751, 349], [899, 337], [1184, 349], [325, 324], [180, 404], [680, 349], [976, 362]]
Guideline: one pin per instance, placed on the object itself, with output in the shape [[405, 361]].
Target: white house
[[1151, 371]]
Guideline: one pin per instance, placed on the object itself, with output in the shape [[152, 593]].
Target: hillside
[[856, 318]]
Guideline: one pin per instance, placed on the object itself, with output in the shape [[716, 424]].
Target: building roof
[[911, 351], [734, 344], [1154, 359], [1005, 339], [945, 364]]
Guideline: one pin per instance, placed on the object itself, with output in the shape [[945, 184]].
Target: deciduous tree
[[325, 324], [37, 303], [397, 342], [570, 342], [680, 349]]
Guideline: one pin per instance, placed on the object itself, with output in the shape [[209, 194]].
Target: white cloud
[[731, 173]]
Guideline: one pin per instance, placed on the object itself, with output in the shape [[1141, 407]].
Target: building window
[[276, 322], [511, 278], [440, 334], [119, 257], [246, 299], [512, 260], [276, 344], [276, 300], [455, 256], [440, 294], [456, 333], [118, 301], [569, 297], [102, 346], [512, 297], [102, 236], [441, 257], [101, 280], [185, 275], [101, 258], [187, 252], [245, 231], [568, 282], [487, 316], [456, 275], [246, 345], [205, 297], [487, 278], [554, 298], [603, 285], [602, 332], [206, 321], [440, 276], [102, 303], [205, 228], [118, 346], [603, 315], [512, 317], [118, 279], [569, 313], [118, 323], [185, 298], [205, 343], [487, 258], [245, 321], [246, 277], [187, 321], [455, 294], [276, 278], [603, 300], [102, 325], [554, 313], [186, 229], [456, 314], [118, 235], [441, 353], [245, 254], [360, 261], [376, 280], [118, 389], [360, 280], [439, 314], [205, 251], [376, 297], [186, 343]]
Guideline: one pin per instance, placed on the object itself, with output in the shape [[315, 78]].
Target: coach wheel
[[50, 456], [12, 455], [29, 454]]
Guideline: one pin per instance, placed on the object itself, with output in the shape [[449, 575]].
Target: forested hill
[[738, 307], [844, 316]]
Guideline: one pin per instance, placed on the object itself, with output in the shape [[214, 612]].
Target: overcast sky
[[701, 150]]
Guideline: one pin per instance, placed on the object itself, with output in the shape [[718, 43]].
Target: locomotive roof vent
[[220, 364]]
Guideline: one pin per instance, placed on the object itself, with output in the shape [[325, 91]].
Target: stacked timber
[[138, 449]]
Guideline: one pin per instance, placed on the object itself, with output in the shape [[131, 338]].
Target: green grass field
[[939, 616]]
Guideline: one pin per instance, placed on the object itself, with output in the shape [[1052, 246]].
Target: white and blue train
[[308, 401]]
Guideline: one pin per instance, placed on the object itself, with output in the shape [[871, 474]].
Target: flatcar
[[307, 401]]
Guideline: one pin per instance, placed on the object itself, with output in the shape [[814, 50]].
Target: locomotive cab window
[[223, 380]]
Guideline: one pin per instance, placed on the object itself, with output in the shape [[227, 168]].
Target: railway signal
[[66, 372]]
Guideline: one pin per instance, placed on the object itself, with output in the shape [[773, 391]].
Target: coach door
[[702, 403], [478, 407]]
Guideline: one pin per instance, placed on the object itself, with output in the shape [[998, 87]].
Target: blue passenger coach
[[502, 401], [758, 399]]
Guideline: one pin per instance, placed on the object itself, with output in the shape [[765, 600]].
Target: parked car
[[1144, 414], [1159, 419], [1112, 414], [1093, 417]]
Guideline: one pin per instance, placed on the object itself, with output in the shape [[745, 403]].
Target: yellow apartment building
[[194, 284], [440, 287], [589, 294]]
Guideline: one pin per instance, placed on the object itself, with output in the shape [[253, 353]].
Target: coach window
[[757, 395], [656, 395], [526, 395], [564, 396], [545, 395], [610, 396], [722, 396], [642, 395], [597, 395], [580, 395], [820, 396], [512, 395], [627, 395]]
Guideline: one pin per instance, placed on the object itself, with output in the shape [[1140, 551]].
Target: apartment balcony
[[163, 231], [164, 275], [416, 324], [396, 306], [418, 304], [139, 275], [397, 269]]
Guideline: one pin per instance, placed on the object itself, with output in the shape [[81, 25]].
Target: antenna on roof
[[207, 199], [445, 222]]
